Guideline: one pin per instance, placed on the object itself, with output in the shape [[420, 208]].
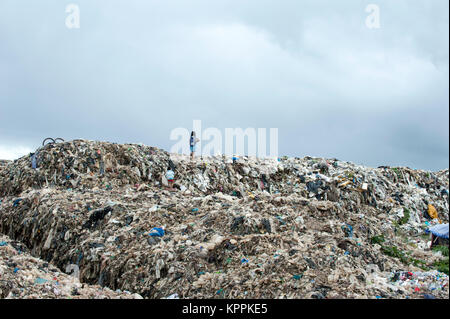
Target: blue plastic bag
[[156, 232]]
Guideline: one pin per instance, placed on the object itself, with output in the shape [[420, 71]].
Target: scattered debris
[[233, 228], [25, 277]]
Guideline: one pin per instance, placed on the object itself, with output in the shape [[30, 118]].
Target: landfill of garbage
[[23, 276], [231, 227]]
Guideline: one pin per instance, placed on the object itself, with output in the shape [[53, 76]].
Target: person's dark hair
[[168, 168], [192, 133]]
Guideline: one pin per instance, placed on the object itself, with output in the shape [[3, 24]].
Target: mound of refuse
[[23, 276], [3, 164], [232, 227], [82, 165]]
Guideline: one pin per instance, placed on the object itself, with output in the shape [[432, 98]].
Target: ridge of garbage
[[233, 227]]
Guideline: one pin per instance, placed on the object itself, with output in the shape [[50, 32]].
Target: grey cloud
[[135, 70]]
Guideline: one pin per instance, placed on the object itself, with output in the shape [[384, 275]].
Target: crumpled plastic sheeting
[[25, 277], [251, 228], [439, 230]]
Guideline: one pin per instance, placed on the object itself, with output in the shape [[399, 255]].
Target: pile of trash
[[432, 282], [25, 277], [3, 162], [232, 227], [82, 164]]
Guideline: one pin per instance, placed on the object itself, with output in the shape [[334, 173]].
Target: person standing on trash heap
[[170, 175], [192, 143]]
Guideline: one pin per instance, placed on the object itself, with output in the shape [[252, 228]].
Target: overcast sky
[[135, 70]]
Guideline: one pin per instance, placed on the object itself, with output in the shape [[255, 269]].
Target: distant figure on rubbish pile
[[192, 143], [170, 175]]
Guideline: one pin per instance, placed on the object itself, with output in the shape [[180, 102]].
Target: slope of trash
[[3, 164], [23, 276], [232, 227]]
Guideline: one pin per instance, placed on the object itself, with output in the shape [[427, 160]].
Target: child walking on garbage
[[170, 175], [192, 143]]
